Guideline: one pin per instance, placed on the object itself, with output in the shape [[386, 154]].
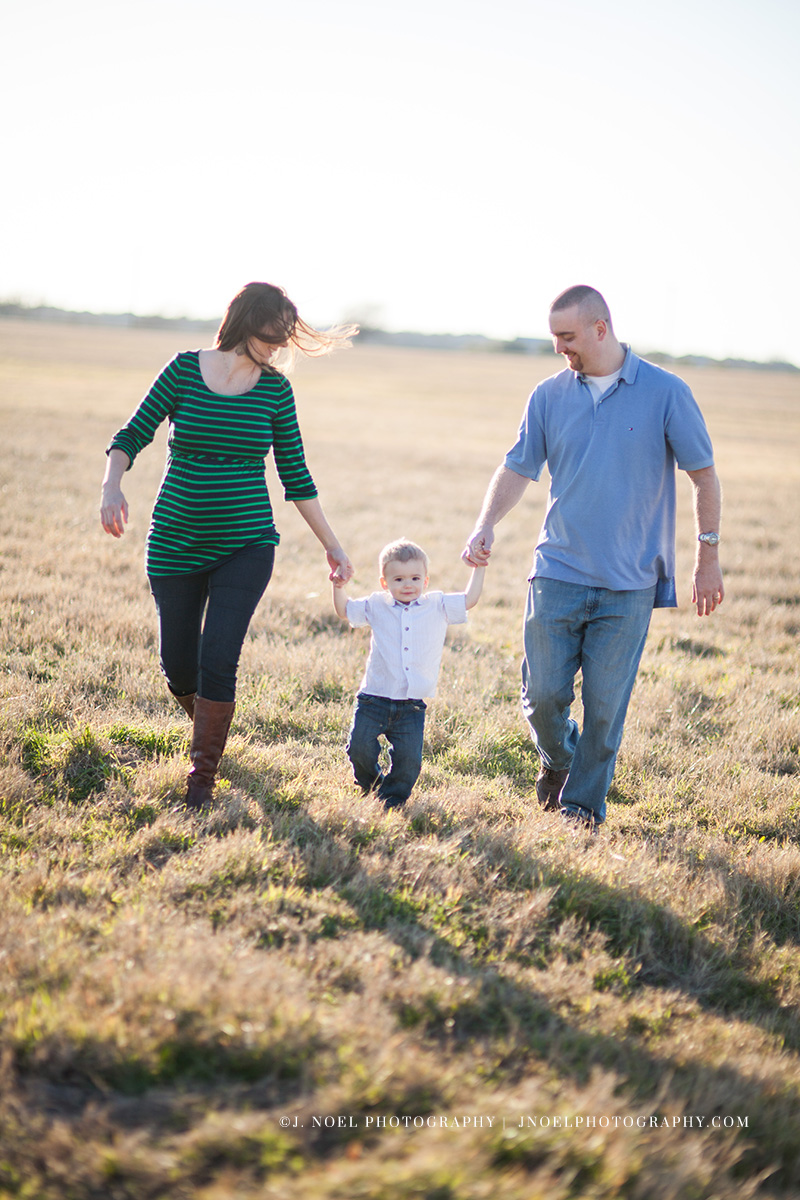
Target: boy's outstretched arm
[[475, 586], [339, 598]]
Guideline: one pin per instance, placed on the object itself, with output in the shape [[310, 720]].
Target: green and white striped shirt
[[213, 497]]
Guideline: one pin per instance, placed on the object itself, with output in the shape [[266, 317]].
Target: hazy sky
[[443, 165]]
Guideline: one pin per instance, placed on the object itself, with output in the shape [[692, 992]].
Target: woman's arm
[[113, 505], [311, 512], [133, 437]]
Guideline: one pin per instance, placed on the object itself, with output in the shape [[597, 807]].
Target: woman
[[212, 539]]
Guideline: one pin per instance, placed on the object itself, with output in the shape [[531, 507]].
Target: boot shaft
[[212, 720]]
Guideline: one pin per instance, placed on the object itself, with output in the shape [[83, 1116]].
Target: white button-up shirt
[[407, 641]]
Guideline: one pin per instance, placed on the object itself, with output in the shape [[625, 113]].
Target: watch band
[[710, 539]]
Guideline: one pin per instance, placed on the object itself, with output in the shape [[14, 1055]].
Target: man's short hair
[[401, 551], [592, 305]]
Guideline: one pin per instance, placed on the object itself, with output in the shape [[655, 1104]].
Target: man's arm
[[707, 587], [505, 490]]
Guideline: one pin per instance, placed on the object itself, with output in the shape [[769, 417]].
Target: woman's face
[[262, 349]]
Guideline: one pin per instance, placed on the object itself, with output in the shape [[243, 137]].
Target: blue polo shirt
[[610, 519]]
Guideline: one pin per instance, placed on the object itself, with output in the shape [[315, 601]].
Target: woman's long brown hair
[[264, 312]]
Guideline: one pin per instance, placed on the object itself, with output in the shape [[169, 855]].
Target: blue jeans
[[203, 620], [570, 627], [402, 722]]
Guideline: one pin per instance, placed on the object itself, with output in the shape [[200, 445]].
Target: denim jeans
[[402, 722], [203, 621], [570, 627]]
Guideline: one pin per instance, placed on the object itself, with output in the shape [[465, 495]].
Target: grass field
[[301, 997]]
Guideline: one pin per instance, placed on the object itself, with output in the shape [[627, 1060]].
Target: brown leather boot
[[212, 720], [186, 702]]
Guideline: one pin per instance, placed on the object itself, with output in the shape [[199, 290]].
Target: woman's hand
[[113, 509], [342, 569], [113, 505]]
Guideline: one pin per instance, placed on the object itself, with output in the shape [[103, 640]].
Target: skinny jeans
[[203, 620], [601, 633]]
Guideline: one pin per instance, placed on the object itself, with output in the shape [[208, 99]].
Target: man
[[611, 429]]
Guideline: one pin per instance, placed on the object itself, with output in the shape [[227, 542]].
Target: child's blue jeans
[[402, 722]]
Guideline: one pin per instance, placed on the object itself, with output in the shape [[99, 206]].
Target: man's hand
[[506, 489], [708, 590], [479, 546]]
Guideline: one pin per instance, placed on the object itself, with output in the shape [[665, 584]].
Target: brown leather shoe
[[212, 720], [549, 786]]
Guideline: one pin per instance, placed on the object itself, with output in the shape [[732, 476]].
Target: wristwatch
[[710, 539]]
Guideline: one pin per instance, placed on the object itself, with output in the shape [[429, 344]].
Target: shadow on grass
[[663, 951], [517, 1023], [513, 1025]]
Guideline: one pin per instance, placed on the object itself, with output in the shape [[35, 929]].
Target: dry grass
[[173, 986]]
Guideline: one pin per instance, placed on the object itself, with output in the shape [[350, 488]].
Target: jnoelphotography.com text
[[517, 1121]]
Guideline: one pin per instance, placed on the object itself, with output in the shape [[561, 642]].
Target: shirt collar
[[629, 367]]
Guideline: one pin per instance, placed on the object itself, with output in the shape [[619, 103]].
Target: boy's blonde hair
[[401, 551]]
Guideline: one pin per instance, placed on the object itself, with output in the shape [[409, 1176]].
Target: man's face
[[579, 339]]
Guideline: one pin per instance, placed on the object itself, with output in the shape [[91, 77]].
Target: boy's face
[[405, 581]]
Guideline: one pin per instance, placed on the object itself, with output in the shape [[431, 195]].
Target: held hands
[[113, 510], [479, 547], [341, 568], [341, 571]]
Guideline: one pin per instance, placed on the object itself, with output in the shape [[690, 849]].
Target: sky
[[440, 165]]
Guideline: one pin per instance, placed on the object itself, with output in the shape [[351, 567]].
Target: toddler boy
[[408, 630]]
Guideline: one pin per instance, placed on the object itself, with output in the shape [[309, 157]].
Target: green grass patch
[[73, 764], [150, 743], [507, 754]]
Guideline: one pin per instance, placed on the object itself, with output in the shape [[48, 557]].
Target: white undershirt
[[599, 384]]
